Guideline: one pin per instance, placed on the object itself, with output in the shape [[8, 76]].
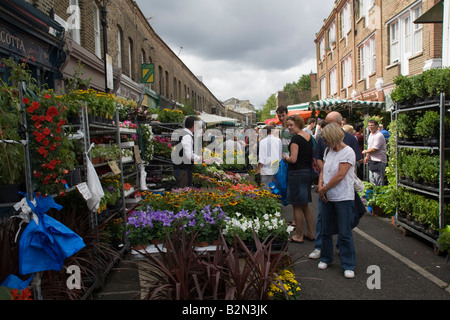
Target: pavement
[[389, 266]]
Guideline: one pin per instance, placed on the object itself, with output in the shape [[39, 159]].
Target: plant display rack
[[127, 171], [441, 193]]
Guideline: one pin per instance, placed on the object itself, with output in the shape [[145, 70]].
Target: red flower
[[25, 294], [47, 96], [34, 106], [25, 100], [47, 131], [52, 111]]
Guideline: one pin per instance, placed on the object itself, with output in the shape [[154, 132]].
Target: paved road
[[408, 267]]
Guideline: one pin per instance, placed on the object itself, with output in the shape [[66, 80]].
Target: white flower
[[290, 229]]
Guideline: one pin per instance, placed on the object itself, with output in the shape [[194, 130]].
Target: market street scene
[[228, 156]]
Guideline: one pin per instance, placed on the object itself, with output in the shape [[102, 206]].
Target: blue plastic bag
[[46, 243], [15, 282], [279, 186]]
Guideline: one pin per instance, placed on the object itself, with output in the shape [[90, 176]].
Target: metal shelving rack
[[441, 193]]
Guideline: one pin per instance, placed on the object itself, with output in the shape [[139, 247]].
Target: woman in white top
[[337, 195]]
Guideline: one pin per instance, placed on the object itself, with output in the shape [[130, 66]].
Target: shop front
[[27, 34]]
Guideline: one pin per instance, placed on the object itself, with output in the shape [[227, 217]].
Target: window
[[130, 58], [346, 67], [143, 56], [417, 30], [367, 58], [364, 7], [74, 20], [119, 48], [322, 49], [405, 37], [332, 34], [346, 20], [323, 88], [333, 81], [98, 49], [394, 42]]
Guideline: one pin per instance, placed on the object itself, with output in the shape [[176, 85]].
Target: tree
[[271, 104]]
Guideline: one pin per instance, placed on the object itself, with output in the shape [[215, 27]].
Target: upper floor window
[[405, 37], [323, 88], [367, 56], [98, 49], [332, 34], [119, 48], [346, 67], [74, 20], [130, 58], [364, 8], [322, 49], [333, 81], [346, 20]]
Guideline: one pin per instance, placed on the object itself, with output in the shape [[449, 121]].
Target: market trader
[[183, 155]]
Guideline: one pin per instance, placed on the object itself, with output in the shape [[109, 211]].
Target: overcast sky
[[245, 49]]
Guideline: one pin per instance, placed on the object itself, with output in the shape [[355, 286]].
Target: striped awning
[[333, 103], [298, 107]]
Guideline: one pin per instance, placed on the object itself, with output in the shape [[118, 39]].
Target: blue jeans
[[338, 214]]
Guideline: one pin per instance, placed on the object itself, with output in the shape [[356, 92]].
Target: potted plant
[[405, 128], [403, 94], [137, 230], [427, 127]]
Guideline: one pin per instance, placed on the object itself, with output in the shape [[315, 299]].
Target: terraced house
[[364, 44]]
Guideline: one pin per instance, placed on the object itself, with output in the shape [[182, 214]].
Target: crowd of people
[[338, 150]]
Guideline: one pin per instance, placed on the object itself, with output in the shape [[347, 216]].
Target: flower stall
[[109, 208]]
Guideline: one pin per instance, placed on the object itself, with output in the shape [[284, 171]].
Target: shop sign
[[23, 46], [147, 73]]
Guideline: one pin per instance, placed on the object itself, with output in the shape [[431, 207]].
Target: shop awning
[[332, 104], [298, 107], [211, 119], [272, 121], [433, 15]]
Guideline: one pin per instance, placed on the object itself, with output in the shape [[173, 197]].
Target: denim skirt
[[299, 187]]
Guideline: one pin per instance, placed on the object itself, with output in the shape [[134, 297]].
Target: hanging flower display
[[48, 143]]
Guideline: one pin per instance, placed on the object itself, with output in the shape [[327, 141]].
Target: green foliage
[[444, 239], [428, 125], [406, 125]]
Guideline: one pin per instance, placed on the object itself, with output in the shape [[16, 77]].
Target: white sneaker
[[349, 274], [315, 254], [322, 265]]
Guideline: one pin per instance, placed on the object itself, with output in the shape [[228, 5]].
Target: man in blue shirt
[[349, 140]]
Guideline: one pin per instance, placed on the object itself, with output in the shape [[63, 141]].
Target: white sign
[[84, 190]]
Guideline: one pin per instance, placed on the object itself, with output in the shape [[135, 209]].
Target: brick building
[[364, 44], [131, 41]]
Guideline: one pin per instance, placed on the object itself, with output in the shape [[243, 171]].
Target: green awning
[[332, 103], [298, 107]]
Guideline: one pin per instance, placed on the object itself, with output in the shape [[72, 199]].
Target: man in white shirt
[[269, 156], [183, 155], [375, 155]]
